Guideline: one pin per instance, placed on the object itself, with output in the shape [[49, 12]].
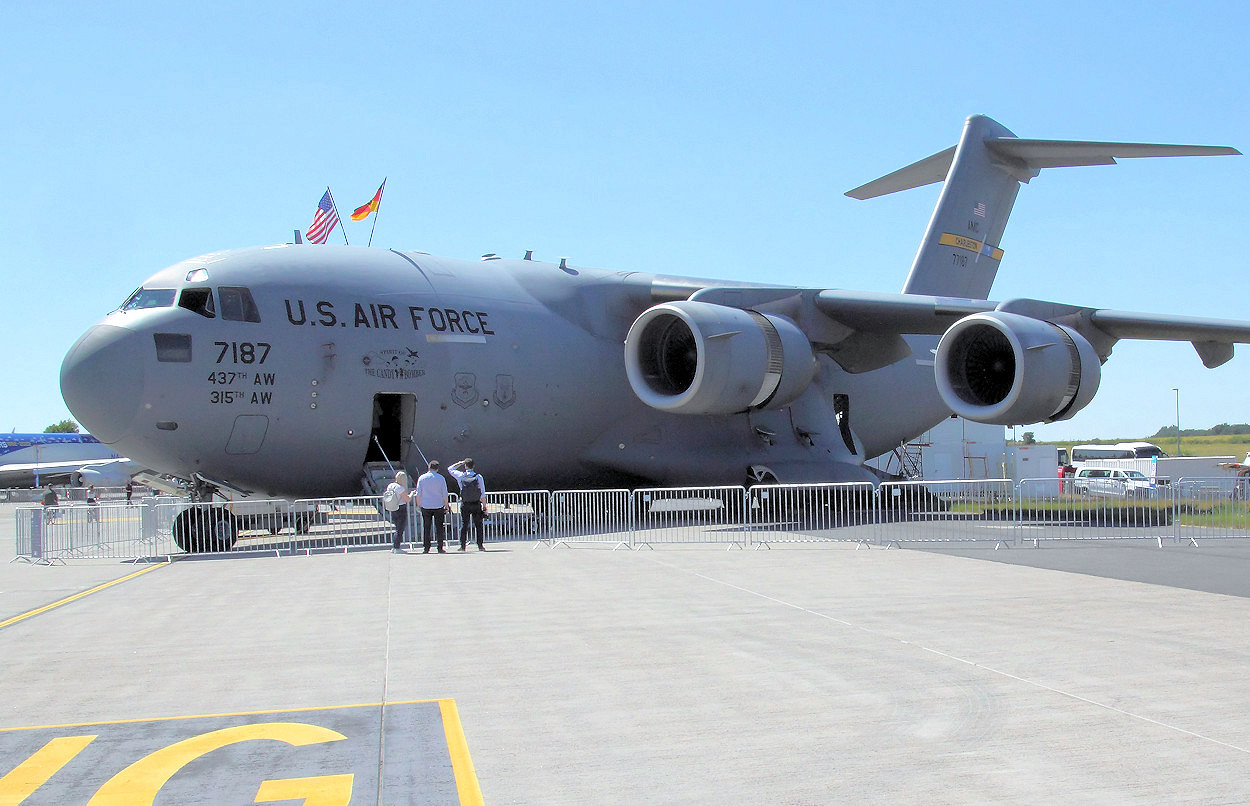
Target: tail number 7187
[[242, 352]]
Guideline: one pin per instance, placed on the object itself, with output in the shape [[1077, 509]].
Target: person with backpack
[[395, 501], [472, 508]]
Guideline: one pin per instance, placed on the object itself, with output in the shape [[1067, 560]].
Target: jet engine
[[106, 474], [701, 358], [1008, 369]]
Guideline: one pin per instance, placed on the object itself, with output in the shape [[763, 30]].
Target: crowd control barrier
[[945, 512], [802, 513], [992, 512], [668, 515], [590, 516]]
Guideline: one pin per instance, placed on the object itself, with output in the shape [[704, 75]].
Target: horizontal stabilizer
[[925, 172], [1035, 155], [1038, 154]]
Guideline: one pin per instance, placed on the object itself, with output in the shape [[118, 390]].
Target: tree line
[[1223, 429]]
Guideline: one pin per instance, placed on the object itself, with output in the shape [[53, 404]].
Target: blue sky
[[701, 139]]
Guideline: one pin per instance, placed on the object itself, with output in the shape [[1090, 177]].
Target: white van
[[1113, 482]]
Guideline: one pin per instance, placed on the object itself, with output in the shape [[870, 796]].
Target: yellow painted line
[[58, 752], [142, 781], [458, 748], [35, 771], [77, 596], [318, 790]]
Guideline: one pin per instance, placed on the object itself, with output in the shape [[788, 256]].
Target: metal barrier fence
[[1056, 509], [591, 516], [79, 531], [794, 513], [945, 512], [511, 516], [1210, 509], [689, 515], [891, 514]]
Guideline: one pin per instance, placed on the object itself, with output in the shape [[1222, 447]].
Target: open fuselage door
[[390, 441]]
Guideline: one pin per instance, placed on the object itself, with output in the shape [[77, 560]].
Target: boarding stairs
[[376, 476]]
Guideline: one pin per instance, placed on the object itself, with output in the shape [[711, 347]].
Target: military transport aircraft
[[283, 370]]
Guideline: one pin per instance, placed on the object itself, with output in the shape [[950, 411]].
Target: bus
[[1121, 450]]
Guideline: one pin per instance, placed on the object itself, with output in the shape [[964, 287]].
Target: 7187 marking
[[242, 352]]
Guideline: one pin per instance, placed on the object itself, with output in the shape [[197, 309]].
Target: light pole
[[1178, 420]]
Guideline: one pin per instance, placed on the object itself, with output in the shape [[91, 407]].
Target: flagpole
[[378, 211], [335, 205]]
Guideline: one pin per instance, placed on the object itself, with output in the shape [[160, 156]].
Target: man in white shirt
[[431, 495]]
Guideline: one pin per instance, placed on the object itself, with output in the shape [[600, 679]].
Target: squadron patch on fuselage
[[465, 393], [505, 391], [403, 364]]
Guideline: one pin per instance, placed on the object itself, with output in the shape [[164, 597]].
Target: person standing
[[51, 504], [431, 496], [472, 495], [130, 490], [395, 501], [93, 506]]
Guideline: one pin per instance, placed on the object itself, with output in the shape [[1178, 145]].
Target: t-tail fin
[[960, 253]]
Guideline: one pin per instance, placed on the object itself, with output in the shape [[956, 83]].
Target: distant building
[[953, 449]]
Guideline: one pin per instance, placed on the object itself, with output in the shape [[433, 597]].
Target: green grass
[[1113, 512]]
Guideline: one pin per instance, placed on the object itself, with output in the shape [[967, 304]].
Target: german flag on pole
[[362, 212]]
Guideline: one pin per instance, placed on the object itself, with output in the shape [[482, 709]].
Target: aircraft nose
[[102, 380]]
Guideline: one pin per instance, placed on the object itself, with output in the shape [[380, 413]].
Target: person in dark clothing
[[472, 501]]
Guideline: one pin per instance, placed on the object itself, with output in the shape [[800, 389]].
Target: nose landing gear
[[205, 529]]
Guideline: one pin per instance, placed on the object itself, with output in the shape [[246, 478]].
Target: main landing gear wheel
[[205, 530]]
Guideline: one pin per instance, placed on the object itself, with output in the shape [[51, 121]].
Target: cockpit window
[[199, 300], [149, 298], [237, 304]]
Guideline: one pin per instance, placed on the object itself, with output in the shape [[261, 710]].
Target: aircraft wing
[[50, 472], [1212, 338], [902, 314]]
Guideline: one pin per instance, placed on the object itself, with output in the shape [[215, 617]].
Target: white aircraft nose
[[102, 380]]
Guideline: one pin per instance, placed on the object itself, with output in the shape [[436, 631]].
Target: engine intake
[[701, 358], [1008, 369]]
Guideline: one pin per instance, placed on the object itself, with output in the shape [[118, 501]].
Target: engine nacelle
[[700, 358], [108, 474], [1008, 369]]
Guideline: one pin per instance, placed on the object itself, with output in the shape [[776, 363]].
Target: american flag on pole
[[324, 222]]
